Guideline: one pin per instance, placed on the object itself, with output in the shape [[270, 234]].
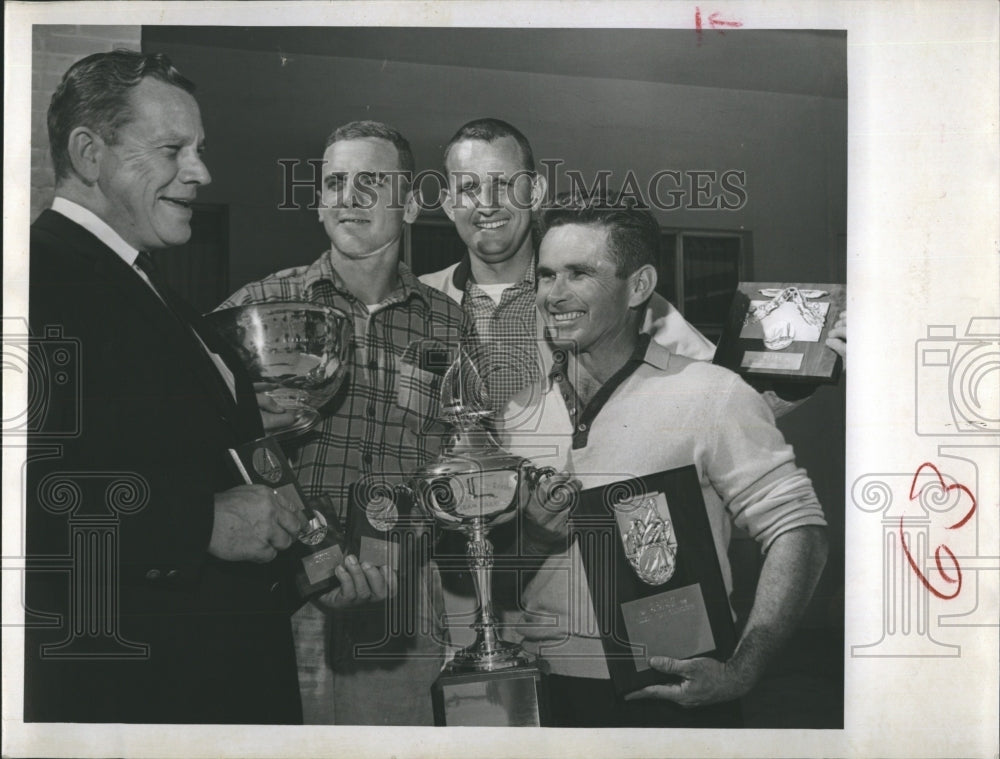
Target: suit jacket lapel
[[246, 414], [109, 266]]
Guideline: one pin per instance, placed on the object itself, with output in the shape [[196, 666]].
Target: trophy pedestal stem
[[492, 683], [472, 488], [489, 651]]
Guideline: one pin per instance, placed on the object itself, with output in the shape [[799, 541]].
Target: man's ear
[[319, 206], [539, 186], [86, 148], [411, 206], [642, 283], [448, 203]]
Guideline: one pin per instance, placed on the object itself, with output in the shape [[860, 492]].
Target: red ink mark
[[716, 22], [955, 579], [946, 488], [940, 568]]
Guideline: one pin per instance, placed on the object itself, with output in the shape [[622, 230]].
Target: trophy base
[[483, 657], [516, 696], [305, 420]]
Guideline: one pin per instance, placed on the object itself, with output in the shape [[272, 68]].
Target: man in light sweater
[[492, 195], [611, 405]]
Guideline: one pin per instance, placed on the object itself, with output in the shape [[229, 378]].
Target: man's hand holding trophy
[[296, 355], [472, 487]]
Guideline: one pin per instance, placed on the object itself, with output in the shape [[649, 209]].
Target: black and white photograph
[[369, 385]]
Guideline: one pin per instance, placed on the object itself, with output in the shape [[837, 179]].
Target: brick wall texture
[[53, 50]]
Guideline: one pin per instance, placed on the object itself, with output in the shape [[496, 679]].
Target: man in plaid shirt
[[492, 191], [381, 426]]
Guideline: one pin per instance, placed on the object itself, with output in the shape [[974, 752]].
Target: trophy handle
[[534, 475]]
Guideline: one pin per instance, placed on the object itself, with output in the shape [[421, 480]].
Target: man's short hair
[[94, 93], [633, 232], [356, 130], [490, 130]]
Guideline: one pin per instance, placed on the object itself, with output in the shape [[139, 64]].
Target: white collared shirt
[[103, 232]]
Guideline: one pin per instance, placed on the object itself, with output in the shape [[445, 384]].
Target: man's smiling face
[[583, 300], [364, 202], [490, 197], [150, 175]]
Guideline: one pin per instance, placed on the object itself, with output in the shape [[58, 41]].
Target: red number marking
[[947, 488], [714, 21], [940, 568], [941, 549]]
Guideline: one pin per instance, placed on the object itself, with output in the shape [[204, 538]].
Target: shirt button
[[367, 458], [153, 574], [173, 573], [373, 365], [274, 586], [572, 412], [371, 410], [581, 427]]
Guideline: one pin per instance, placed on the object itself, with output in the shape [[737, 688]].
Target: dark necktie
[[183, 314], [152, 272]]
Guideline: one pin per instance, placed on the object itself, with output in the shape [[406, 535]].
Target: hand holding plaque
[[654, 576], [778, 331]]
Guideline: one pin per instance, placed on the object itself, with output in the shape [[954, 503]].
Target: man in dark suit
[[171, 609]]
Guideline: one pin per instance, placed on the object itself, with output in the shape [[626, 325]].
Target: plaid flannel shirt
[[381, 425], [507, 333]]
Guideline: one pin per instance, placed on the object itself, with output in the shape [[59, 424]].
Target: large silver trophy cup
[[472, 487], [296, 353]]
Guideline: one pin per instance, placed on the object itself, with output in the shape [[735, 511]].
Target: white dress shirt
[[103, 232]]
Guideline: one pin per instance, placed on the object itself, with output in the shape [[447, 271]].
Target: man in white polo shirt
[[611, 405]]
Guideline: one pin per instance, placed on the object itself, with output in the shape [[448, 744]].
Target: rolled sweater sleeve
[[753, 469]]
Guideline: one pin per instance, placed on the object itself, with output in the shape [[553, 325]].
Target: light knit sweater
[[669, 413]]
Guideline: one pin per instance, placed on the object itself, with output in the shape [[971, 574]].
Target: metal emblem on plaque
[[648, 537]]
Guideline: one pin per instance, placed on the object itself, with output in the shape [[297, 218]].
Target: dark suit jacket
[[149, 627]]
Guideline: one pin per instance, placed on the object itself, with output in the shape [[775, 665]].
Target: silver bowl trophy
[[473, 486], [296, 353]]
